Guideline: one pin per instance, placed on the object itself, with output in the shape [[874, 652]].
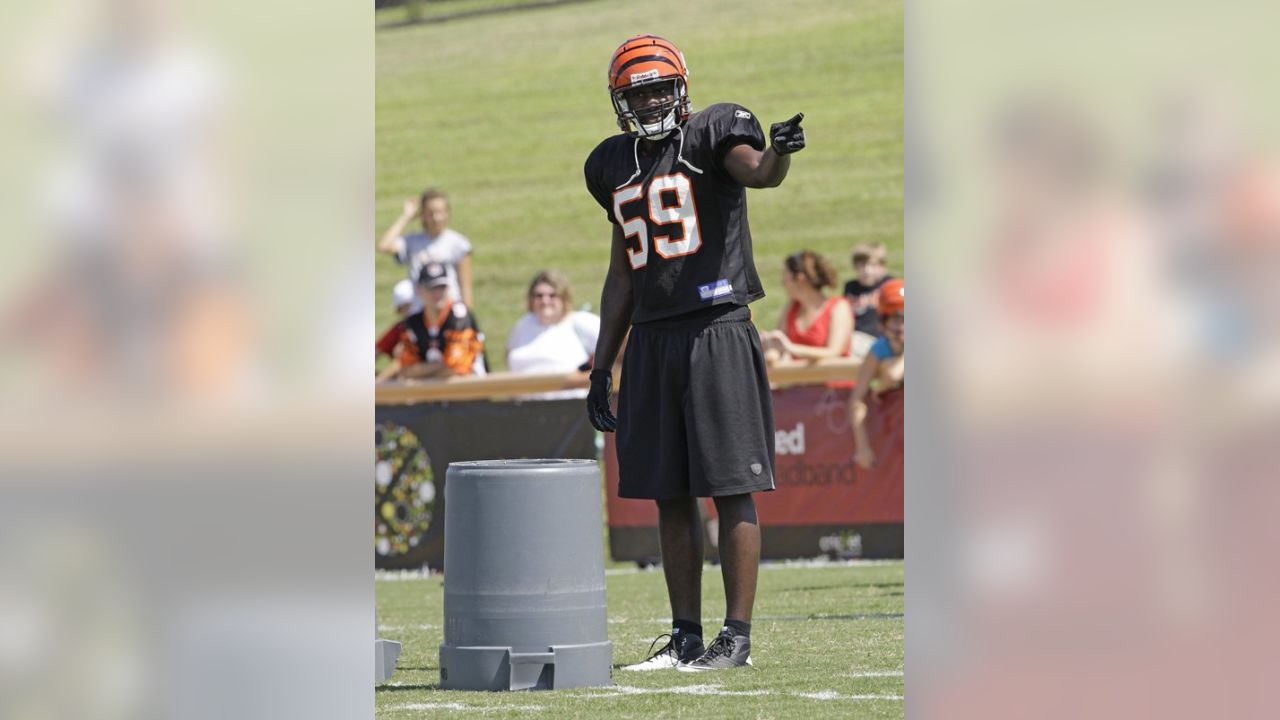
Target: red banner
[[817, 481]]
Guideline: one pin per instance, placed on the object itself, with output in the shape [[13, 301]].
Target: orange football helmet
[[648, 60]]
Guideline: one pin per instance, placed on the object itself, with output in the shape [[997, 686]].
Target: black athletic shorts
[[695, 416]]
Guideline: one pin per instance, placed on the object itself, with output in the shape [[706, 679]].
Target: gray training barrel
[[524, 600]]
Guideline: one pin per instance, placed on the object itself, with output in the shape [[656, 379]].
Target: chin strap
[[635, 153]]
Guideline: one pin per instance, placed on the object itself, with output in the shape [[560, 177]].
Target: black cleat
[[679, 649], [726, 651]]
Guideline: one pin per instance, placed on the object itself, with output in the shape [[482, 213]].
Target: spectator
[[404, 299], [813, 326], [863, 291], [441, 340], [552, 337], [436, 243], [883, 369]]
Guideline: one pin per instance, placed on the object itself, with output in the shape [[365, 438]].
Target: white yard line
[[833, 695], [462, 706], [398, 575]]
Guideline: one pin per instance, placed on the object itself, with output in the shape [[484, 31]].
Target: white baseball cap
[[402, 293]]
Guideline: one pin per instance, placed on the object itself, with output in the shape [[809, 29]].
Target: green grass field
[[826, 643], [501, 110]]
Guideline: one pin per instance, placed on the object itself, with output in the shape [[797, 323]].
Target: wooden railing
[[504, 384]]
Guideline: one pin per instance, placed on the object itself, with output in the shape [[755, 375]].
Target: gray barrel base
[[385, 654], [501, 668]]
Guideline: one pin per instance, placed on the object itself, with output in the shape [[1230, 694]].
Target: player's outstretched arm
[[754, 169], [615, 318]]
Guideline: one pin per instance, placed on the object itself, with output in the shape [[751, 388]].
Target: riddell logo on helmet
[[789, 442], [646, 75]]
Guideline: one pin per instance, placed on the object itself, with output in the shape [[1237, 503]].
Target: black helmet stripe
[[646, 41], [660, 42]]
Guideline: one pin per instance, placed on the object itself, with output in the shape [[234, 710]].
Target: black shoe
[[680, 648], [728, 650]]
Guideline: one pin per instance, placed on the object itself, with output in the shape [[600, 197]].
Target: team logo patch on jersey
[[742, 114], [646, 75], [716, 289]]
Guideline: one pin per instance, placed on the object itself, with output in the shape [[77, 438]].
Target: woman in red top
[[813, 326]]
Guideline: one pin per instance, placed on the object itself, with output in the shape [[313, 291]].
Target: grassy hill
[[501, 110]]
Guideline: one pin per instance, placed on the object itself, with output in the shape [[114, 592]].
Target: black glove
[[598, 411], [787, 137]]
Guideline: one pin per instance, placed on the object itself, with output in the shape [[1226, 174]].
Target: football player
[[695, 417]]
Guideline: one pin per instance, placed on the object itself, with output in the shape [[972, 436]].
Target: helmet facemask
[[655, 122]]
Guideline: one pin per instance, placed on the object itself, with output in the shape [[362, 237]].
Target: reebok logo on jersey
[[742, 114], [716, 289], [646, 75]]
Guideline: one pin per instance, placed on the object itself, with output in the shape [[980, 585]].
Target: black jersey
[[451, 336], [684, 217]]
